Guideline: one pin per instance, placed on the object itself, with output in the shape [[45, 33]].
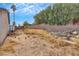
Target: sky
[[24, 11]]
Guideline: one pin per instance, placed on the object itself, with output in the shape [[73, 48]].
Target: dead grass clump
[[8, 47], [37, 31], [59, 43], [75, 39]]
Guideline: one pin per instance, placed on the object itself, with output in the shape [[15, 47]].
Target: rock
[[72, 35], [74, 32]]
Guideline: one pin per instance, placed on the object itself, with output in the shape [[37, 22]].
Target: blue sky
[[24, 11]]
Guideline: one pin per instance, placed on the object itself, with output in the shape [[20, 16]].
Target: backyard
[[37, 42], [40, 29]]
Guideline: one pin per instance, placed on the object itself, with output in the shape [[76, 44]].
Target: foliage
[[60, 14], [25, 24]]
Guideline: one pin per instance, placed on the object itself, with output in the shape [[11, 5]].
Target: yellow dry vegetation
[[51, 38], [56, 45], [8, 47], [73, 39], [37, 31]]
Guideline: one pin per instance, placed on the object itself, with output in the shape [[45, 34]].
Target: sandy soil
[[27, 45], [22, 44]]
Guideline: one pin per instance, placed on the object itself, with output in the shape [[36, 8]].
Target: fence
[[57, 29]]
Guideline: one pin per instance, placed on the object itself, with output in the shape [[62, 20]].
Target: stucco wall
[[3, 25]]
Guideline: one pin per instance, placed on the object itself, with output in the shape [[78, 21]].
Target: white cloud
[[28, 8]]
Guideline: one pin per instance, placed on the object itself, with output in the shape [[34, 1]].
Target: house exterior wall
[[4, 25]]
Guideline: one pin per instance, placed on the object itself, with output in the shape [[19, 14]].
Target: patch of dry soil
[[32, 45], [23, 44]]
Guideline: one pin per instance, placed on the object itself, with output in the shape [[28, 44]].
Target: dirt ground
[[26, 45], [22, 44]]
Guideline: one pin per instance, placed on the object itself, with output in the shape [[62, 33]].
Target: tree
[[26, 24], [60, 14], [42, 16]]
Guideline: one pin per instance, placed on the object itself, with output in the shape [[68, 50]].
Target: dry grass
[[39, 42], [37, 31], [52, 39], [8, 47], [60, 46]]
